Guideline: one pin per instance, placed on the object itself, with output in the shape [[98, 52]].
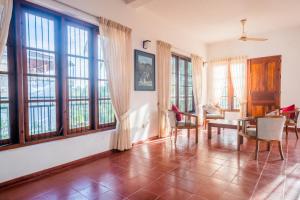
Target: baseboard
[[53, 170]]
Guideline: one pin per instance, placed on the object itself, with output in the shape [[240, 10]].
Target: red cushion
[[177, 111], [288, 109]]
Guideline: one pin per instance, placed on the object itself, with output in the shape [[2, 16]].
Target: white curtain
[[118, 62], [197, 65], [218, 81], [163, 88], [238, 71], [6, 7]]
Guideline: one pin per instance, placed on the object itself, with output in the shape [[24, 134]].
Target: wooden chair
[[268, 129], [291, 122], [190, 122], [220, 114]]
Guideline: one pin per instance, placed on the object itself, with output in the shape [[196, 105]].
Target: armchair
[[268, 129], [292, 121], [187, 123], [212, 112]]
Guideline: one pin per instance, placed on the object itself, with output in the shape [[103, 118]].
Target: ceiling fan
[[244, 36]]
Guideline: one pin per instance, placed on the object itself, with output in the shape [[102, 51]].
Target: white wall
[[285, 43], [26, 160]]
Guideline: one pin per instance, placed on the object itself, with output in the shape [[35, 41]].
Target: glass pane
[[3, 87], [106, 113], [42, 117], [190, 104], [103, 89], [4, 121], [173, 101], [78, 89], [190, 91], [39, 62], [100, 50], [101, 70], [78, 41], [181, 67], [78, 67], [3, 61], [39, 32], [189, 71], [181, 91], [41, 88], [79, 114], [182, 104]]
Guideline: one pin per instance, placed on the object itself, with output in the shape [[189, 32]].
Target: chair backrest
[[172, 118], [270, 128]]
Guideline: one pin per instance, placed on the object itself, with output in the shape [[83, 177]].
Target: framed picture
[[144, 71]]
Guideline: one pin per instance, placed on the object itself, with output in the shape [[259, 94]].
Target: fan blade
[[256, 39]]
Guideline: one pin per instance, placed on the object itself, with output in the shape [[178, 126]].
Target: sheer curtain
[[238, 72], [163, 88], [197, 65], [6, 7], [218, 92], [118, 63]]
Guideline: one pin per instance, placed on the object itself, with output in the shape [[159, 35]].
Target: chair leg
[[175, 135], [280, 149], [296, 131], [188, 133], [257, 149], [171, 133], [286, 131]]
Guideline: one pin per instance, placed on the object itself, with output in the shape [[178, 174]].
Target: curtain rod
[[77, 9]]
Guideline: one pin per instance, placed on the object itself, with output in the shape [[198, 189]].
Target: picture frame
[[144, 71]]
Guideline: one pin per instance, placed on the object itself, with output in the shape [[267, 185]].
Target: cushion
[[251, 132], [177, 111], [288, 109], [211, 109]]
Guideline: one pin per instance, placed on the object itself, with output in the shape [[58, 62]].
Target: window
[[181, 84], [39, 77], [4, 100], [225, 76], [78, 78], [53, 80], [105, 109]]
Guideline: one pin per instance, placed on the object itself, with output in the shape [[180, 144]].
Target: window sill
[[14, 146]]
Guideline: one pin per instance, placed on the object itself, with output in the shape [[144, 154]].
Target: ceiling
[[217, 20]]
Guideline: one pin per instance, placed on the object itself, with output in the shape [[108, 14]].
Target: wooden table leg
[[241, 139], [209, 132], [238, 142], [197, 135], [219, 130]]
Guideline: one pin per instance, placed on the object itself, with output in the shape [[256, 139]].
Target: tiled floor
[[213, 169]]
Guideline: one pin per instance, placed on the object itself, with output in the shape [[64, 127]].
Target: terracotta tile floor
[[213, 169]]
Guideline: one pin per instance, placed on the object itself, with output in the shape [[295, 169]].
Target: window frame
[[186, 60], [19, 135]]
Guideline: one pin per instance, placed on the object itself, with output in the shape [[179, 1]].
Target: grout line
[[260, 175], [285, 165]]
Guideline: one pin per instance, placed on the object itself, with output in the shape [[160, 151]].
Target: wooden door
[[264, 78]]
